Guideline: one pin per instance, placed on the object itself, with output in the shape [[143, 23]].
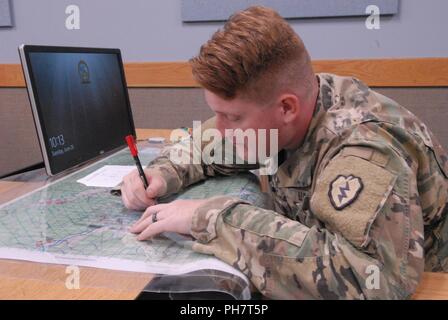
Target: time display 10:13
[[57, 141]]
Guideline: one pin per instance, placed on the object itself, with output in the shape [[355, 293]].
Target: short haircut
[[255, 55]]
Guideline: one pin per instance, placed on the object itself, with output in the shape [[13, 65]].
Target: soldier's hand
[[133, 193], [175, 216]]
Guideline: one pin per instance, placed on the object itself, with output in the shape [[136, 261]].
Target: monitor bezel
[[24, 51]]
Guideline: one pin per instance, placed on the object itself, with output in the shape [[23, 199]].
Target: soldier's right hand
[[133, 193]]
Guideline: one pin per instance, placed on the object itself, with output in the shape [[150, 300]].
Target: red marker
[[133, 148]]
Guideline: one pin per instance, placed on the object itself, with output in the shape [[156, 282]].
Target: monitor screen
[[80, 101]]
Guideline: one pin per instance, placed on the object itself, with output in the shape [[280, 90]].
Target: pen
[[133, 148]]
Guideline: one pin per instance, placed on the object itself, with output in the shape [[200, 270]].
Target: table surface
[[30, 280]]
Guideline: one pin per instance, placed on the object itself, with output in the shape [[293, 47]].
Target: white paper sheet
[[151, 151], [107, 176]]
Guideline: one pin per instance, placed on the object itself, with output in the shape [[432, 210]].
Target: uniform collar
[[323, 102]]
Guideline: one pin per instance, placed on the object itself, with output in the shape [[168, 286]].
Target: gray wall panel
[[19, 144], [168, 108], [5, 13], [218, 10]]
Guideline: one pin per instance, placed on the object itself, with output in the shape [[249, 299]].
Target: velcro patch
[[349, 193]]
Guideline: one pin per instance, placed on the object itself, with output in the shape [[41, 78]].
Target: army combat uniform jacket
[[359, 208]]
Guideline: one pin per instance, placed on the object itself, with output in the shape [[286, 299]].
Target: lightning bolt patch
[[344, 190]]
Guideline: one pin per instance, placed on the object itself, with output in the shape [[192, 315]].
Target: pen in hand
[[133, 148]]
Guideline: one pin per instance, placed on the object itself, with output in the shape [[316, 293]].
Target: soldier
[[361, 187]]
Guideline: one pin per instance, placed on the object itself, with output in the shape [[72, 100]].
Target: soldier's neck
[[304, 121]]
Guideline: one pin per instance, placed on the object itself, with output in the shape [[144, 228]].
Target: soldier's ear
[[289, 105]]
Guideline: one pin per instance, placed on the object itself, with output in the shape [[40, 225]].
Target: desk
[[29, 280]]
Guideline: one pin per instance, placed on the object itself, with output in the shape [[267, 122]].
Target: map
[[67, 222]]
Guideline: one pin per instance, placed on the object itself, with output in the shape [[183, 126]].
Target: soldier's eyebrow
[[228, 113]]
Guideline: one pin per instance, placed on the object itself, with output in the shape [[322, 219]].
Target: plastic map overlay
[[67, 222]]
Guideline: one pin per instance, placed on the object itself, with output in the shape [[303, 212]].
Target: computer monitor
[[79, 101]]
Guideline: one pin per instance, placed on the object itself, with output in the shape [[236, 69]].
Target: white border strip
[[119, 264]]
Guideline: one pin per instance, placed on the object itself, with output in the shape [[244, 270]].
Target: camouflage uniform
[[365, 191]]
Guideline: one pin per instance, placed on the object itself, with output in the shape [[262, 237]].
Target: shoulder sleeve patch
[[349, 193]]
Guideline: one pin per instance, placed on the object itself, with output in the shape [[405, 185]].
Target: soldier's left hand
[[170, 217]]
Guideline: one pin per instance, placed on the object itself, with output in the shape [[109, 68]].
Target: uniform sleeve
[[194, 159], [368, 246]]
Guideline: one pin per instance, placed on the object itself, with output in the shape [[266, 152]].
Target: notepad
[[107, 177]]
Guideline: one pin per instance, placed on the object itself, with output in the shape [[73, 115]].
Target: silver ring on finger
[[154, 217]]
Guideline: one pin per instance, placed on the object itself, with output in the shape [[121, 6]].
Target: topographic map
[[67, 222]]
